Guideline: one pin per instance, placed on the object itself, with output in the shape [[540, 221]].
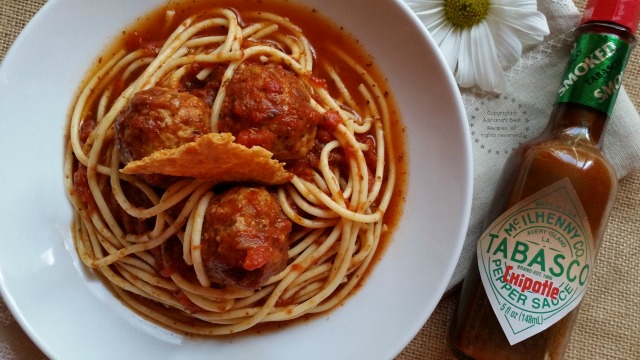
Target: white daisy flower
[[480, 37]]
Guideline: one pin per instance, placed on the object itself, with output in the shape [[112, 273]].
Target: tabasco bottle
[[535, 258]]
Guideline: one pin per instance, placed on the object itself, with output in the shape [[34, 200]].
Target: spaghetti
[[337, 213]]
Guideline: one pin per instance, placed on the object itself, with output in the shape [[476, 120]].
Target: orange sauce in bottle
[[570, 148]]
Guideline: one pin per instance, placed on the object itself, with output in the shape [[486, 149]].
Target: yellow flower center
[[465, 13]]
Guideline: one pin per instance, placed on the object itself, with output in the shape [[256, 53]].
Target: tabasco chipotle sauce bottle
[[535, 258]]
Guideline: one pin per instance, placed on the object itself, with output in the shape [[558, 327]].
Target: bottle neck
[[577, 122], [591, 82]]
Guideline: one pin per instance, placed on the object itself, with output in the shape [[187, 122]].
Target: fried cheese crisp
[[214, 157]]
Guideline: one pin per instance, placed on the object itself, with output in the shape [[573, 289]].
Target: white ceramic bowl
[[69, 313]]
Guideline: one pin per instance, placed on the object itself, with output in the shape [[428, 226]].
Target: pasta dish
[[224, 173]]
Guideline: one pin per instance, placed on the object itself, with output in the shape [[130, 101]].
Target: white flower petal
[[507, 44], [486, 67], [450, 48], [519, 4], [530, 26], [439, 33], [432, 19], [464, 72], [425, 5]]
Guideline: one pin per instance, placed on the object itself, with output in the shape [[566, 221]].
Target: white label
[[535, 261]]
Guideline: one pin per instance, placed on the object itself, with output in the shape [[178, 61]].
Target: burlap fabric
[[609, 322]]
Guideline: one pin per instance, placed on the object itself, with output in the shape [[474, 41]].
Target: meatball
[[206, 89], [268, 106], [157, 119], [245, 237]]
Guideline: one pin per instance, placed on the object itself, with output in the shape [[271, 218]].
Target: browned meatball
[[245, 237], [157, 119], [268, 106]]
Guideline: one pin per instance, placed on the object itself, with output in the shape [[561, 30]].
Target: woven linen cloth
[[609, 321]]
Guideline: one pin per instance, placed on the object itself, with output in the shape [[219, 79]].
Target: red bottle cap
[[622, 12]]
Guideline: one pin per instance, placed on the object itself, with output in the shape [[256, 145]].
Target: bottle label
[[535, 261], [594, 72]]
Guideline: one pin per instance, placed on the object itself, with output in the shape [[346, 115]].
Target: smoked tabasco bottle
[[535, 258]]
